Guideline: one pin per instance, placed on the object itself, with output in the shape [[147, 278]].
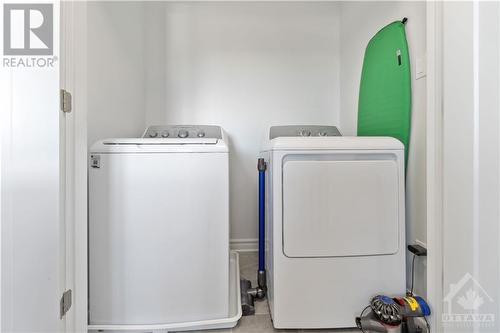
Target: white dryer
[[335, 224], [159, 229]]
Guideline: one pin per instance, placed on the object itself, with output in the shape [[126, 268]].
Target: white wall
[[359, 22], [244, 66], [116, 79]]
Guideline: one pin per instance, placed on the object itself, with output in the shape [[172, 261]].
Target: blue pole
[[262, 212]]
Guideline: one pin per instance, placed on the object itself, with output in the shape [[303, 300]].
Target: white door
[[465, 144], [335, 207], [32, 236]]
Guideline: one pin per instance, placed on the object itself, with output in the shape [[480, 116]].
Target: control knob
[[183, 134], [305, 133], [153, 134]]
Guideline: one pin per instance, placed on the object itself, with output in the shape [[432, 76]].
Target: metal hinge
[[66, 301], [65, 101]]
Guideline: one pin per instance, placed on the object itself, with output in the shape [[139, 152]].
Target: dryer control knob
[[183, 134], [201, 134], [305, 133], [322, 133], [165, 135], [153, 134]]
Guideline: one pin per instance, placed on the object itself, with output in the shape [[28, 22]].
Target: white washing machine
[[159, 229], [335, 224]]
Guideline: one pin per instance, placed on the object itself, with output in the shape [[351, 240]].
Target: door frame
[[73, 78], [434, 151], [74, 72]]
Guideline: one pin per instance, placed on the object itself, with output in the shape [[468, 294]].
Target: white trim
[[1, 283], [64, 173], [475, 151], [80, 147], [435, 162], [73, 78], [476, 154], [5, 104], [244, 244], [66, 164]]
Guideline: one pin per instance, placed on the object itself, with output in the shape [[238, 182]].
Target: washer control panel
[[183, 132], [303, 131]]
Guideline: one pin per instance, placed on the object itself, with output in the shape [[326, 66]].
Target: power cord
[[412, 274], [428, 325], [417, 251], [361, 316]]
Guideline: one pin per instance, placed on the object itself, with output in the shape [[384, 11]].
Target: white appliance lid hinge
[[65, 101], [66, 301]]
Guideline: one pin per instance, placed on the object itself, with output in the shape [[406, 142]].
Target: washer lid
[[167, 141], [166, 145]]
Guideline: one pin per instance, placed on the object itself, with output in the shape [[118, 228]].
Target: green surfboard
[[384, 107]]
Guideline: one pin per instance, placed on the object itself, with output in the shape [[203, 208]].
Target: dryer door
[[341, 205]]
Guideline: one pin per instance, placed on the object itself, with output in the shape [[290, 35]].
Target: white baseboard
[[244, 244]]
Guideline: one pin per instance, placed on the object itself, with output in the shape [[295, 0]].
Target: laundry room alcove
[[246, 66]]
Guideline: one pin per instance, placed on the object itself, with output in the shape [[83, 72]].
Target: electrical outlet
[[420, 68]]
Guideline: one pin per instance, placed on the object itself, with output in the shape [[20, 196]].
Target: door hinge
[[66, 301], [65, 101]]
